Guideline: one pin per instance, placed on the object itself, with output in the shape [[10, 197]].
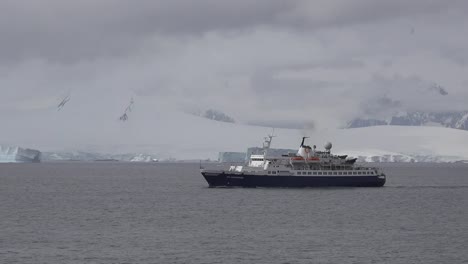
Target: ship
[[19, 155], [308, 167]]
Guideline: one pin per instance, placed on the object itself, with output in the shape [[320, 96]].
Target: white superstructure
[[308, 161]]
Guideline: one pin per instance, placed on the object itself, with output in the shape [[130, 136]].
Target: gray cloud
[[73, 30]]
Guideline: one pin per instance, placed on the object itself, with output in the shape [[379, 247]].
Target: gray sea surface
[[165, 213]]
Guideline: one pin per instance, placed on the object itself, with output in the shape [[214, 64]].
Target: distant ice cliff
[[18, 155]]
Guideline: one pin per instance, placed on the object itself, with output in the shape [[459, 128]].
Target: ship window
[[345, 173], [335, 173], [310, 173], [269, 172], [315, 173], [320, 173], [340, 173], [355, 172], [274, 172]]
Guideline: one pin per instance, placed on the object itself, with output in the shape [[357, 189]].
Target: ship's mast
[[266, 145]]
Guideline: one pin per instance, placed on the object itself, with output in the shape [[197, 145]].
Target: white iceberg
[[19, 155]]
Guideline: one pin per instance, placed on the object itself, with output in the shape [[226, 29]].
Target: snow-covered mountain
[[184, 136], [458, 120], [369, 144], [402, 144]]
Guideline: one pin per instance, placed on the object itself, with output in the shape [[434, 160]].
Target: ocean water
[[164, 213]]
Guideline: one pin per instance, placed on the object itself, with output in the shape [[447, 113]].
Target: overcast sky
[[322, 61]]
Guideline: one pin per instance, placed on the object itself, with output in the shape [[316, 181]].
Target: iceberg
[[19, 155]]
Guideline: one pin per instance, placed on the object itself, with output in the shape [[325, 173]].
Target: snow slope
[[183, 136], [404, 143]]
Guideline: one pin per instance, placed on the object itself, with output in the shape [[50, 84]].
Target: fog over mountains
[[303, 65]]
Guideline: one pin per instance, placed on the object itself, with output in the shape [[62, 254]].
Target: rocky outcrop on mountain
[[438, 89], [218, 116], [458, 120], [212, 114]]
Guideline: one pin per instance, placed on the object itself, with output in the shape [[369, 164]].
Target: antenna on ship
[[267, 144], [268, 139]]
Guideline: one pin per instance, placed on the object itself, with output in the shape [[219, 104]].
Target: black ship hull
[[226, 179]]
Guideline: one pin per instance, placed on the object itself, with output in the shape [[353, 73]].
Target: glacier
[[10, 154]]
